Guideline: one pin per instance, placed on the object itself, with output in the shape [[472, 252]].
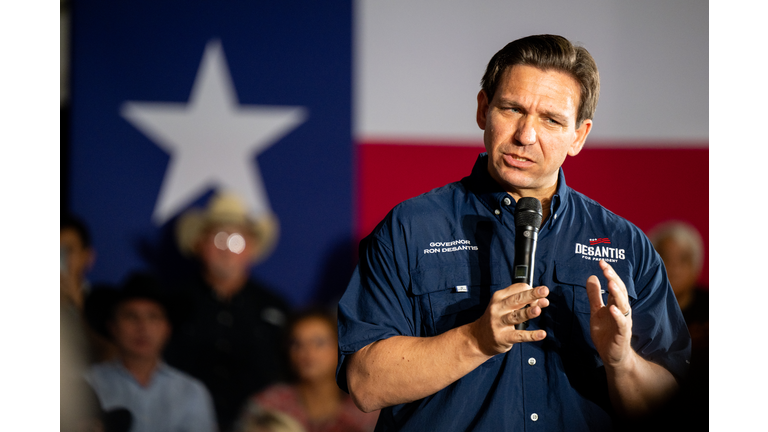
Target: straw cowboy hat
[[226, 208]]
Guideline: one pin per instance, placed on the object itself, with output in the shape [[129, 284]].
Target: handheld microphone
[[528, 216]]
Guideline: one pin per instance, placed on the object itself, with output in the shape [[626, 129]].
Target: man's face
[[530, 126], [226, 250], [140, 328], [79, 258]]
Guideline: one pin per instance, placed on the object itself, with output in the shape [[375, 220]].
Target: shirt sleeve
[[376, 304], [201, 415]]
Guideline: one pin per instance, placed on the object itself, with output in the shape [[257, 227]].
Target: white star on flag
[[212, 139]]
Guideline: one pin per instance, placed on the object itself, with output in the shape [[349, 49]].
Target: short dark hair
[[103, 302], [548, 52], [69, 221]]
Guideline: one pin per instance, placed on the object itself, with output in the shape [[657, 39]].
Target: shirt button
[[507, 201], [531, 361], [534, 416], [497, 212]]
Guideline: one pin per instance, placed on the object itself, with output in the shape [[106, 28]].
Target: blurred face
[[530, 127], [226, 251], [140, 328], [313, 350], [78, 257], [681, 269]]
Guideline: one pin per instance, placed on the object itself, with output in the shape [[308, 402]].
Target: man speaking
[[427, 325]]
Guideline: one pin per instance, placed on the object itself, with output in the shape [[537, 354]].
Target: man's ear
[[482, 108], [580, 137]]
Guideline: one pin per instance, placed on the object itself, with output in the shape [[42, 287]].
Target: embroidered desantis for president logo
[[596, 250]]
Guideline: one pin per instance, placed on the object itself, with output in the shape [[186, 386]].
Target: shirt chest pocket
[[449, 296], [574, 278], [569, 302]]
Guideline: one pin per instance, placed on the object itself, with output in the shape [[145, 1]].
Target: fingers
[[593, 293], [524, 314], [530, 336], [617, 291], [513, 298]]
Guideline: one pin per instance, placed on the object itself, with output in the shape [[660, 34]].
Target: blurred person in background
[[230, 331], [158, 396], [77, 259], [79, 408], [681, 248], [257, 419], [313, 397]]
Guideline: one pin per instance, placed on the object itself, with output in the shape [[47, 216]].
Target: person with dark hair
[[428, 324], [158, 396], [77, 257], [312, 396], [229, 333]]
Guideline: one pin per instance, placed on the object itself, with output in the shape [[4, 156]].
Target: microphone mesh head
[[528, 212]]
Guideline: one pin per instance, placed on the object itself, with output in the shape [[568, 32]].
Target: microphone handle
[[525, 253]]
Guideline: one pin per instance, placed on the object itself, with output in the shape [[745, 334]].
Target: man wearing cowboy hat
[[137, 318], [230, 331]]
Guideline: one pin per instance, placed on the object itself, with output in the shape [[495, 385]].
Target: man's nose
[[526, 133]]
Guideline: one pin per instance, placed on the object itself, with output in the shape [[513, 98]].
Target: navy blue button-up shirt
[[432, 265]]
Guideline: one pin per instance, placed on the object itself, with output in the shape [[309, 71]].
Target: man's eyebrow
[[557, 116]]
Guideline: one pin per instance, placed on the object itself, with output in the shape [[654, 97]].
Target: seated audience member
[[257, 419], [314, 398], [682, 250], [159, 397], [229, 336]]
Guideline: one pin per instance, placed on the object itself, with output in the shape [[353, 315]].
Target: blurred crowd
[[218, 351], [215, 350]]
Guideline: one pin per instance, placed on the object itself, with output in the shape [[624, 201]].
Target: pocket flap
[[451, 275], [576, 273]]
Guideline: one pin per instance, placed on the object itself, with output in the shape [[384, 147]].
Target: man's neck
[[545, 197], [142, 368], [226, 287]]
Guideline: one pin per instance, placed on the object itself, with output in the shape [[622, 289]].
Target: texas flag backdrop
[[329, 113]]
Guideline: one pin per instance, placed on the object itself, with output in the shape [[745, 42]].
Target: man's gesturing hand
[[610, 328], [495, 331]]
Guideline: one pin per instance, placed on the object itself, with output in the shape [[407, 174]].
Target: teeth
[[519, 158]]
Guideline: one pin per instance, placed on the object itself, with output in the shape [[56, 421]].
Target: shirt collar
[[162, 368], [493, 195]]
